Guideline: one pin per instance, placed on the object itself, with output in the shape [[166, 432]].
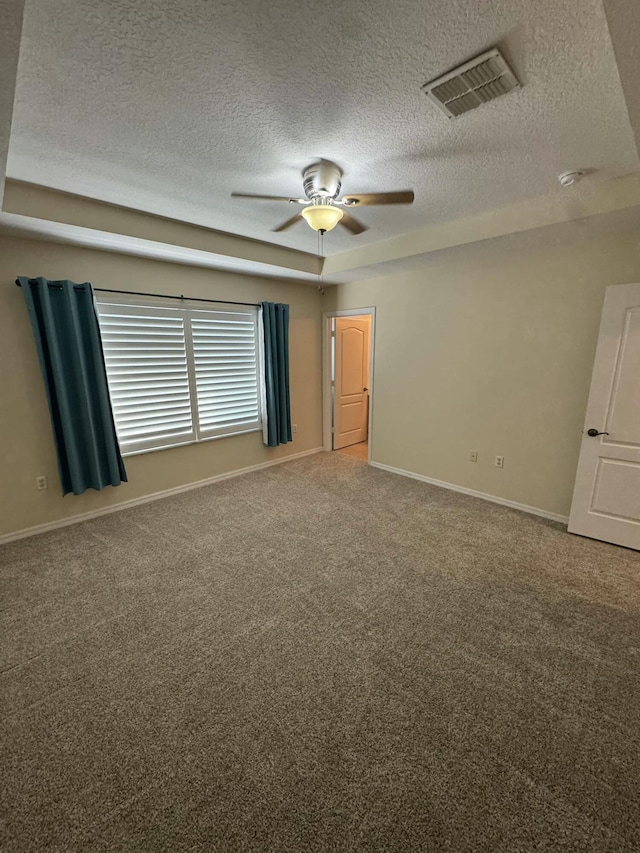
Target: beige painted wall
[[492, 354], [25, 433]]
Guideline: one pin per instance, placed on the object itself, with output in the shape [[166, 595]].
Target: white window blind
[[225, 356], [178, 375]]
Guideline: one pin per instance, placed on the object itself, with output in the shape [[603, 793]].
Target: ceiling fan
[[322, 182]]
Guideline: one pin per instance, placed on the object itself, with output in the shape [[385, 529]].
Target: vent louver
[[478, 81]]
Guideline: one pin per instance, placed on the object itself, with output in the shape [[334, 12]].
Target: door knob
[[365, 389], [594, 432]]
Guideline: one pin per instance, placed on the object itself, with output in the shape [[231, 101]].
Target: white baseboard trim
[[155, 496], [532, 510]]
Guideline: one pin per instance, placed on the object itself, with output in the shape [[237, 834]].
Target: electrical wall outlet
[[473, 456], [499, 461], [41, 483], [294, 427]]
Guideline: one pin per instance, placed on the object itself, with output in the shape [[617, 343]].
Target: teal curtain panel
[[65, 326], [275, 319]]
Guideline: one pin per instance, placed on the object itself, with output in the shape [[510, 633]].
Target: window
[[179, 375]]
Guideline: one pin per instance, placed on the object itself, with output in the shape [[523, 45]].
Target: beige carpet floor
[[320, 657]]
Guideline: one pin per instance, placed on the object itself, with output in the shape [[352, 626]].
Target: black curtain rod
[[160, 295], [181, 298]]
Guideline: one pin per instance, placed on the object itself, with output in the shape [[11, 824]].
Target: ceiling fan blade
[[271, 198], [288, 223], [352, 224], [362, 199]]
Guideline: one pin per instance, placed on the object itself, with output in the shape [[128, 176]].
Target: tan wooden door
[[351, 381], [606, 499]]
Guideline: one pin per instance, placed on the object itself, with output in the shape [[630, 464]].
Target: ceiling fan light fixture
[[322, 217], [323, 206]]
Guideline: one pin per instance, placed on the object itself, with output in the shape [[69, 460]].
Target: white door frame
[[327, 409]]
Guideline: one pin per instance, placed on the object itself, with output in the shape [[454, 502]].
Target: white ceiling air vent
[[480, 80]]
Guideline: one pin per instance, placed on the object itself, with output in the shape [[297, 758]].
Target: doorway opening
[[348, 381]]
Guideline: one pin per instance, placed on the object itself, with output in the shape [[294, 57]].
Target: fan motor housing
[[322, 180]]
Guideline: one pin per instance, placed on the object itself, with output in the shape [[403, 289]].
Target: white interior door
[[351, 381], [606, 499]]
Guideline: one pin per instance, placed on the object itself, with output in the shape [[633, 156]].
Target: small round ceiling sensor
[[567, 179]]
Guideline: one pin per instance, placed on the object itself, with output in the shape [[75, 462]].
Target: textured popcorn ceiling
[[168, 106]]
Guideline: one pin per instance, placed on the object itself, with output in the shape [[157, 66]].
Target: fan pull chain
[[321, 259]]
